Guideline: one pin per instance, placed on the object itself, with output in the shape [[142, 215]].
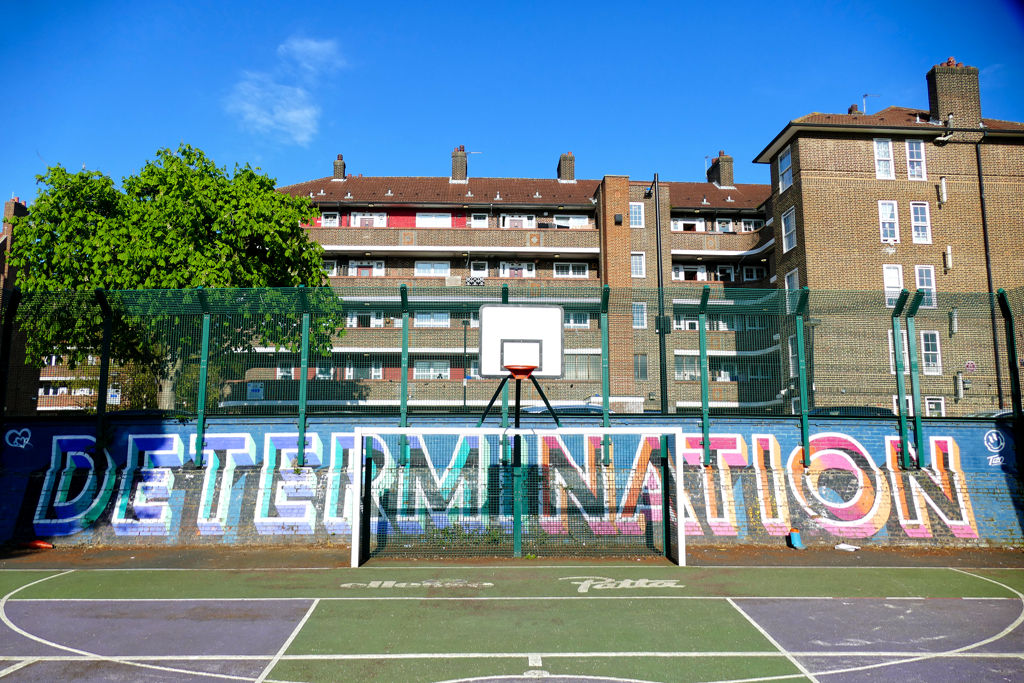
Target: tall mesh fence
[[358, 358]]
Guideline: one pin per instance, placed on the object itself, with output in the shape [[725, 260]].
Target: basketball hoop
[[521, 371]]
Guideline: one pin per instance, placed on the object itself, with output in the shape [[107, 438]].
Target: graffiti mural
[[248, 486]]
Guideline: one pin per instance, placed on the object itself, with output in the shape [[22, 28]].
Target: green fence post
[[606, 382], [403, 442], [805, 430], [1014, 358], [300, 456], [5, 349], [666, 531], [504, 392], [705, 415], [915, 382], [101, 397], [204, 361], [901, 387]]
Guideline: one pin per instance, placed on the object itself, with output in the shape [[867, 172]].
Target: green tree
[[181, 223]]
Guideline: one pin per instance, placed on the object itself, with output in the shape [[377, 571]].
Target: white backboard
[[521, 334]]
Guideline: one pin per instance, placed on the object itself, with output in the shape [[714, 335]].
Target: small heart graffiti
[[18, 438]]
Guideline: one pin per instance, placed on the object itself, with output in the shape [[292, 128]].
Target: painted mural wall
[[146, 487]]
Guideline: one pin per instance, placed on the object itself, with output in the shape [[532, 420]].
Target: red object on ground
[[521, 371], [38, 545]]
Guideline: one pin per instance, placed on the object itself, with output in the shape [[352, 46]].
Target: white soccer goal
[[583, 490]]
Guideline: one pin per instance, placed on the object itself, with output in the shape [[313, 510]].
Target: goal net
[[456, 492]]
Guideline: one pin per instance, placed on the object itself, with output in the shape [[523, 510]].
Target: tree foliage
[[181, 223]]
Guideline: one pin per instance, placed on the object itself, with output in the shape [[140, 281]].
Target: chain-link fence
[[401, 350]]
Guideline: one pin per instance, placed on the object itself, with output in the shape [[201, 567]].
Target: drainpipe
[[988, 268], [661, 328]]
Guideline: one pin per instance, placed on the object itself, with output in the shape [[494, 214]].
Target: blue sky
[[629, 88]]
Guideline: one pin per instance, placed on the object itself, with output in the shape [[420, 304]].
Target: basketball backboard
[[521, 334]]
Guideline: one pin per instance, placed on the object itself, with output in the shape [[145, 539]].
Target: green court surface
[[427, 624]]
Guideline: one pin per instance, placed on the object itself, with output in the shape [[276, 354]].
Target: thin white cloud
[[266, 107], [312, 56]]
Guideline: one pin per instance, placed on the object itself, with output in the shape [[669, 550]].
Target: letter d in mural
[[77, 487]]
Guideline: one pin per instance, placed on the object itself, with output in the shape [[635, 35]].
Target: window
[[892, 278], [692, 273], [478, 269], [433, 220], [888, 222], [431, 369], [908, 403], [355, 319], [478, 220], [934, 406], [785, 170], [926, 284], [329, 220], [883, 160], [330, 268], [517, 269], [794, 357], [474, 319], [723, 225], [324, 373], [931, 358], [794, 405], [725, 273], [518, 222], [906, 354], [577, 320], [915, 160], [681, 321], [754, 272], [788, 230], [433, 269], [582, 366], [725, 323], [640, 367], [792, 283], [474, 368], [921, 222], [364, 370], [366, 268], [750, 225], [433, 319], [639, 315], [687, 369], [757, 322], [284, 372], [571, 270], [636, 214], [571, 222], [637, 264], [688, 225], [725, 372], [757, 371], [369, 220]]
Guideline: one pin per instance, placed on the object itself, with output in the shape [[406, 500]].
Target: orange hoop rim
[[521, 371]]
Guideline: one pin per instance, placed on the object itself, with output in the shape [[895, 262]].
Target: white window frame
[[352, 319], [928, 400], [433, 220], [731, 270], [723, 225], [924, 170], [639, 315], [636, 207], [751, 224], [643, 264], [753, 271], [529, 221], [785, 171], [330, 267], [794, 356], [636, 367], [926, 236], [679, 224], [930, 297], [573, 270], [330, 219], [791, 278], [432, 319], [380, 220], [690, 369], [934, 368], [757, 372], [892, 292], [425, 369], [505, 267], [756, 322], [892, 354], [895, 221], [574, 320], [565, 221], [437, 268], [789, 230], [474, 318], [881, 160], [377, 267], [479, 220], [285, 372], [323, 372], [908, 400], [376, 369], [476, 271], [680, 270]]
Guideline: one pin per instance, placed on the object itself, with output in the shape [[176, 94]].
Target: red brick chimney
[[721, 170], [567, 168], [459, 165], [339, 168]]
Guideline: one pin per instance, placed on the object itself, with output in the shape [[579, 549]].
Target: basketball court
[[564, 623]]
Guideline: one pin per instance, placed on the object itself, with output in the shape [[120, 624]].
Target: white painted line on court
[[800, 667], [288, 643], [535, 660], [20, 665]]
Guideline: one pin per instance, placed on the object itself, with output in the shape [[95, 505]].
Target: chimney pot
[[340, 157], [721, 152], [853, 109], [339, 168]]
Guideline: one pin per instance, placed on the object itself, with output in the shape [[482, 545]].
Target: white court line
[[288, 643], [496, 567], [800, 667], [21, 665]]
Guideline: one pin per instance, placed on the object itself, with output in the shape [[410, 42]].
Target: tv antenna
[[865, 101]]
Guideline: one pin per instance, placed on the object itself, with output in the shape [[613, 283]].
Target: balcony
[[718, 241], [408, 239]]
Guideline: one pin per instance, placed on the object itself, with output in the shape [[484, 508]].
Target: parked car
[[851, 411], [568, 409], [990, 414]]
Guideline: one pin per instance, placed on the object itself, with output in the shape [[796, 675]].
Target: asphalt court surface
[[574, 623]]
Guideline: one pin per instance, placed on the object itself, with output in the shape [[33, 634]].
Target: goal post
[[450, 492]]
